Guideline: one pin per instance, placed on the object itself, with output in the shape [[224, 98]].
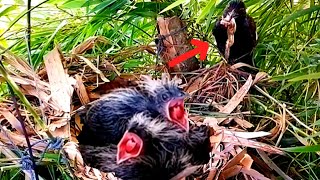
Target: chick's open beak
[[177, 114]]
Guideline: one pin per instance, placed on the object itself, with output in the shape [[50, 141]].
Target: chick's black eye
[[165, 97]]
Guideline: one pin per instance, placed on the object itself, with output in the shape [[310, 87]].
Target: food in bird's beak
[[130, 146], [177, 114]]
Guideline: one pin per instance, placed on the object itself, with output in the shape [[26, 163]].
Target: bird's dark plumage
[[106, 119], [245, 37], [167, 150]]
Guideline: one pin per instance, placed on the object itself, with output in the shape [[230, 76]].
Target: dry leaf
[[20, 140], [122, 81], [238, 97], [236, 160], [254, 174], [108, 64], [61, 89], [246, 161], [230, 172], [195, 86], [81, 91], [18, 64], [259, 76], [240, 64], [73, 154], [212, 174], [12, 119]]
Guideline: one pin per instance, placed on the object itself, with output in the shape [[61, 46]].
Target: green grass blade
[[173, 5], [299, 13], [206, 10], [39, 59], [306, 77], [303, 149]]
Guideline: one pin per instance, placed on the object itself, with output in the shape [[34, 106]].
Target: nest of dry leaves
[[76, 80]]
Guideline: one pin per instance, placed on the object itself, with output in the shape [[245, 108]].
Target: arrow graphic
[[202, 49]]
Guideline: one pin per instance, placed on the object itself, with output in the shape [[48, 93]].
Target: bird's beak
[[228, 18], [177, 114], [130, 146]]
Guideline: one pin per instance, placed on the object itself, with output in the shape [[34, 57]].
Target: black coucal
[[245, 35]]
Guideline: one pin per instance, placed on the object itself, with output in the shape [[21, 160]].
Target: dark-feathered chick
[[149, 149], [106, 119], [245, 37]]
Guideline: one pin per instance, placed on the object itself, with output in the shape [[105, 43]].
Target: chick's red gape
[[130, 146], [177, 113]]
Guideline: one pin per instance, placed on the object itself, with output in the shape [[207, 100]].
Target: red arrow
[[202, 49]]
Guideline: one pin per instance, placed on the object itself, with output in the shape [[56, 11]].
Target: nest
[[51, 92], [216, 84]]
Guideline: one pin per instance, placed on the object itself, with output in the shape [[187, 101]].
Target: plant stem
[[34, 166]]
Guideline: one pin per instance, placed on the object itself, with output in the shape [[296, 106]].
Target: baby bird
[[149, 149], [105, 120]]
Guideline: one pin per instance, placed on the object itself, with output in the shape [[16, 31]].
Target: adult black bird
[[149, 149], [245, 36], [105, 120]]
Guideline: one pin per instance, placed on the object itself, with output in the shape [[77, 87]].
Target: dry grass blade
[[247, 135], [186, 172], [287, 110], [25, 81], [272, 165], [238, 97], [250, 143], [88, 44], [96, 70], [243, 123]]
